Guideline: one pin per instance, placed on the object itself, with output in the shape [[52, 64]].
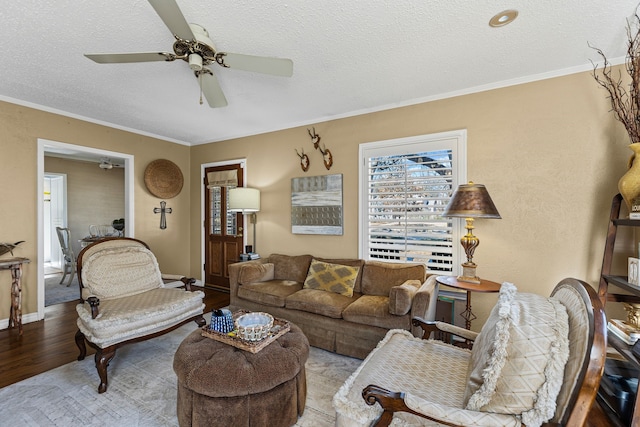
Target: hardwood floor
[[50, 343]]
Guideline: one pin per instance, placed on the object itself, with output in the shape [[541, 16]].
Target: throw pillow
[[517, 362], [255, 272], [336, 278], [401, 297]]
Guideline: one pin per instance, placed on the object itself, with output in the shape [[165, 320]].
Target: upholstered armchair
[[124, 299], [536, 361]]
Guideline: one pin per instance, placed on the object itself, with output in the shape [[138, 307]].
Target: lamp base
[[469, 273]]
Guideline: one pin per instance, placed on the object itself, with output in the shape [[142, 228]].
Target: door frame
[[203, 208], [62, 198], [45, 145]]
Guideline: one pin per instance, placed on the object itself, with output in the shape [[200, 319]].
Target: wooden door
[[223, 229]]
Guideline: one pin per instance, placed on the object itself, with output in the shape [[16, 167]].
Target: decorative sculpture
[[304, 160], [315, 138], [327, 157], [9, 247], [633, 314], [162, 210]]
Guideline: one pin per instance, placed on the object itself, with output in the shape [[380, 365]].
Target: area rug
[[143, 388], [56, 293]]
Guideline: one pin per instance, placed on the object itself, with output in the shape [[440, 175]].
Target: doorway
[[77, 152], [55, 215], [223, 232]]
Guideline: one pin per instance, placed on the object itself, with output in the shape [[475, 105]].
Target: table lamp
[[247, 201], [470, 201]]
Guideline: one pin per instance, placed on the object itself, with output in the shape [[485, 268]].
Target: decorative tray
[[280, 327]]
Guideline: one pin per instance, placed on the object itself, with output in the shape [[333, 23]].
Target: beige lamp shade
[[245, 200]]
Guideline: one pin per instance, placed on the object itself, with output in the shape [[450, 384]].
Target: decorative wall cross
[[162, 210]]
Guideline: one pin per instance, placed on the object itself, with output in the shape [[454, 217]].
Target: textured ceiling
[[349, 57]]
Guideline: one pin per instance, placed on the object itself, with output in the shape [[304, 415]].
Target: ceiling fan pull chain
[[200, 84]]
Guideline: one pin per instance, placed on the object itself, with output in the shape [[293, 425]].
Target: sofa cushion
[[517, 362], [374, 310], [336, 278], [401, 297], [327, 304], [272, 292], [290, 267], [251, 272], [379, 277], [351, 262]]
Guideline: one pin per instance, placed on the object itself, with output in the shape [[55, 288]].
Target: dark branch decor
[[625, 103]]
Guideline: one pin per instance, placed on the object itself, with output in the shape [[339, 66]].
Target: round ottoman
[[220, 385]]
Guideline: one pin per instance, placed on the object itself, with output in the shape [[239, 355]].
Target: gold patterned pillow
[[336, 278]]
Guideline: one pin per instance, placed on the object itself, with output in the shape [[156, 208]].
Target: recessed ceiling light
[[503, 18]]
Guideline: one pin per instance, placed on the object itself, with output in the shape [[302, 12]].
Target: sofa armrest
[[424, 303], [234, 274], [401, 297]]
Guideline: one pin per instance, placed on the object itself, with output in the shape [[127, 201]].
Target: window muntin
[[405, 186]]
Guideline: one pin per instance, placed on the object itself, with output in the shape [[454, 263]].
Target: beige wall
[[20, 128], [94, 196], [549, 152]]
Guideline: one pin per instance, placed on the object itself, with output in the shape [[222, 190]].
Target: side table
[[15, 265], [483, 286]]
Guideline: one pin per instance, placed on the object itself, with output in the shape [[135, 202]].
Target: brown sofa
[[385, 296]]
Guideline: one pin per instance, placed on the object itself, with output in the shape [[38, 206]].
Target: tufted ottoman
[[220, 385]]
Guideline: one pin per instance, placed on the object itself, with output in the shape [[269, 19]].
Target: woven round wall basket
[[163, 179]]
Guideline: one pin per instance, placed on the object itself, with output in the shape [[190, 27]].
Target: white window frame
[[456, 141]]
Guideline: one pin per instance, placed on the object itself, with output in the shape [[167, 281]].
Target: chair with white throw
[[537, 361], [124, 299]]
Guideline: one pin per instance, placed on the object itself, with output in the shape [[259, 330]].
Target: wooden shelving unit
[[620, 282]]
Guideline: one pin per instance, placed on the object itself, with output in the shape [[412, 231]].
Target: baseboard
[[26, 318]]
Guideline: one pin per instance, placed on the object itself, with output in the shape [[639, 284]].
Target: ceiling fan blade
[[173, 18], [211, 89], [115, 58], [258, 64]]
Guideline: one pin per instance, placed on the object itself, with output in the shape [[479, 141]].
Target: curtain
[[227, 178]]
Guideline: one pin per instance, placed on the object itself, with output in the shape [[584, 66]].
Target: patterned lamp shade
[[471, 201]]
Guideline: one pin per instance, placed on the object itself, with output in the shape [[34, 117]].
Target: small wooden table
[[15, 265], [483, 286]]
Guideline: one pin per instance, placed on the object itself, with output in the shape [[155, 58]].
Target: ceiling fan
[[107, 164], [194, 46]]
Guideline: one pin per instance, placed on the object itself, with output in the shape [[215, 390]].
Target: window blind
[[406, 189]]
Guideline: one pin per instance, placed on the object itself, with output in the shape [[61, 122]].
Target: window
[[405, 184]]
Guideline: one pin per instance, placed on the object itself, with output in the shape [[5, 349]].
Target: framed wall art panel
[[316, 205]]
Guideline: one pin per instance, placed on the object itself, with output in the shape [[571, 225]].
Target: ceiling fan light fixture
[[193, 45], [195, 62], [503, 18]]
